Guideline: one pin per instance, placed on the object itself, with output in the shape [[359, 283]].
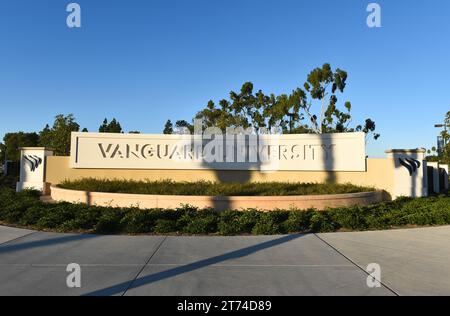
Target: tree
[[59, 136], [442, 155], [183, 127], [253, 110], [289, 113], [111, 127], [168, 127], [322, 85], [13, 141], [2, 153], [445, 134]]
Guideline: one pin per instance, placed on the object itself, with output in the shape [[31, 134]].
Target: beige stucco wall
[[219, 203], [379, 174]]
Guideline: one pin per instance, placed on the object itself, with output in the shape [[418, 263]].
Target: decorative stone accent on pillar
[[32, 168], [410, 172]]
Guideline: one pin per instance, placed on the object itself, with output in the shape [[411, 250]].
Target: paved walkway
[[412, 262]]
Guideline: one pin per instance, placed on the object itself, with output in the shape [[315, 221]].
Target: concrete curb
[[219, 203]]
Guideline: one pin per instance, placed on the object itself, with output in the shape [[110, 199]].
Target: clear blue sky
[[143, 62]]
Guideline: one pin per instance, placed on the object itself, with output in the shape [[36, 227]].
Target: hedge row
[[169, 187], [8, 181], [25, 209]]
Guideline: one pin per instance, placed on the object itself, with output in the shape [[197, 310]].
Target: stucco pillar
[[410, 172], [33, 163]]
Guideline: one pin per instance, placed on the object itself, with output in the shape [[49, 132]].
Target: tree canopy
[[442, 155], [58, 136], [311, 109], [168, 127], [9, 149], [111, 127]]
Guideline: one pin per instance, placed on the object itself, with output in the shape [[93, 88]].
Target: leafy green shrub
[[110, 222], [168, 187], [298, 221], [229, 223], [165, 226], [270, 223], [14, 206], [248, 220], [139, 221], [25, 209], [350, 218], [33, 215], [8, 181], [57, 215], [322, 222], [199, 222]]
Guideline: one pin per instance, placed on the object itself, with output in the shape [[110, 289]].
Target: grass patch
[[168, 187], [26, 210]]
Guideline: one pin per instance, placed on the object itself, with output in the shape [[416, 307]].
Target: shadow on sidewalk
[[125, 286], [17, 246]]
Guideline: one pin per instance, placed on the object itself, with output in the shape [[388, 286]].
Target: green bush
[[353, 218], [110, 222], [168, 187], [139, 221], [298, 221], [198, 222], [8, 181], [60, 213], [229, 223], [248, 220], [322, 222], [270, 223], [26, 209], [165, 226]]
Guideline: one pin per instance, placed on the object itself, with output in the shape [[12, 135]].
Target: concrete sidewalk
[[34, 263], [413, 261]]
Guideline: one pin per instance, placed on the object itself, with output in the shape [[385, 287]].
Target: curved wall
[[219, 203]]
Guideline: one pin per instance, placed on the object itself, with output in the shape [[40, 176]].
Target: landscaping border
[[219, 203]]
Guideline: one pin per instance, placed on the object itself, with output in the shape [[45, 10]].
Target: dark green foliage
[[229, 223], [270, 223], [312, 108], [58, 136], [350, 218], [168, 187], [168, 128], [139, 221], [110, 221], [25, 209], [13, 141], [322, 222], [198, 222], [8, 181], [111, 127], [298, 221], [165, 226]]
